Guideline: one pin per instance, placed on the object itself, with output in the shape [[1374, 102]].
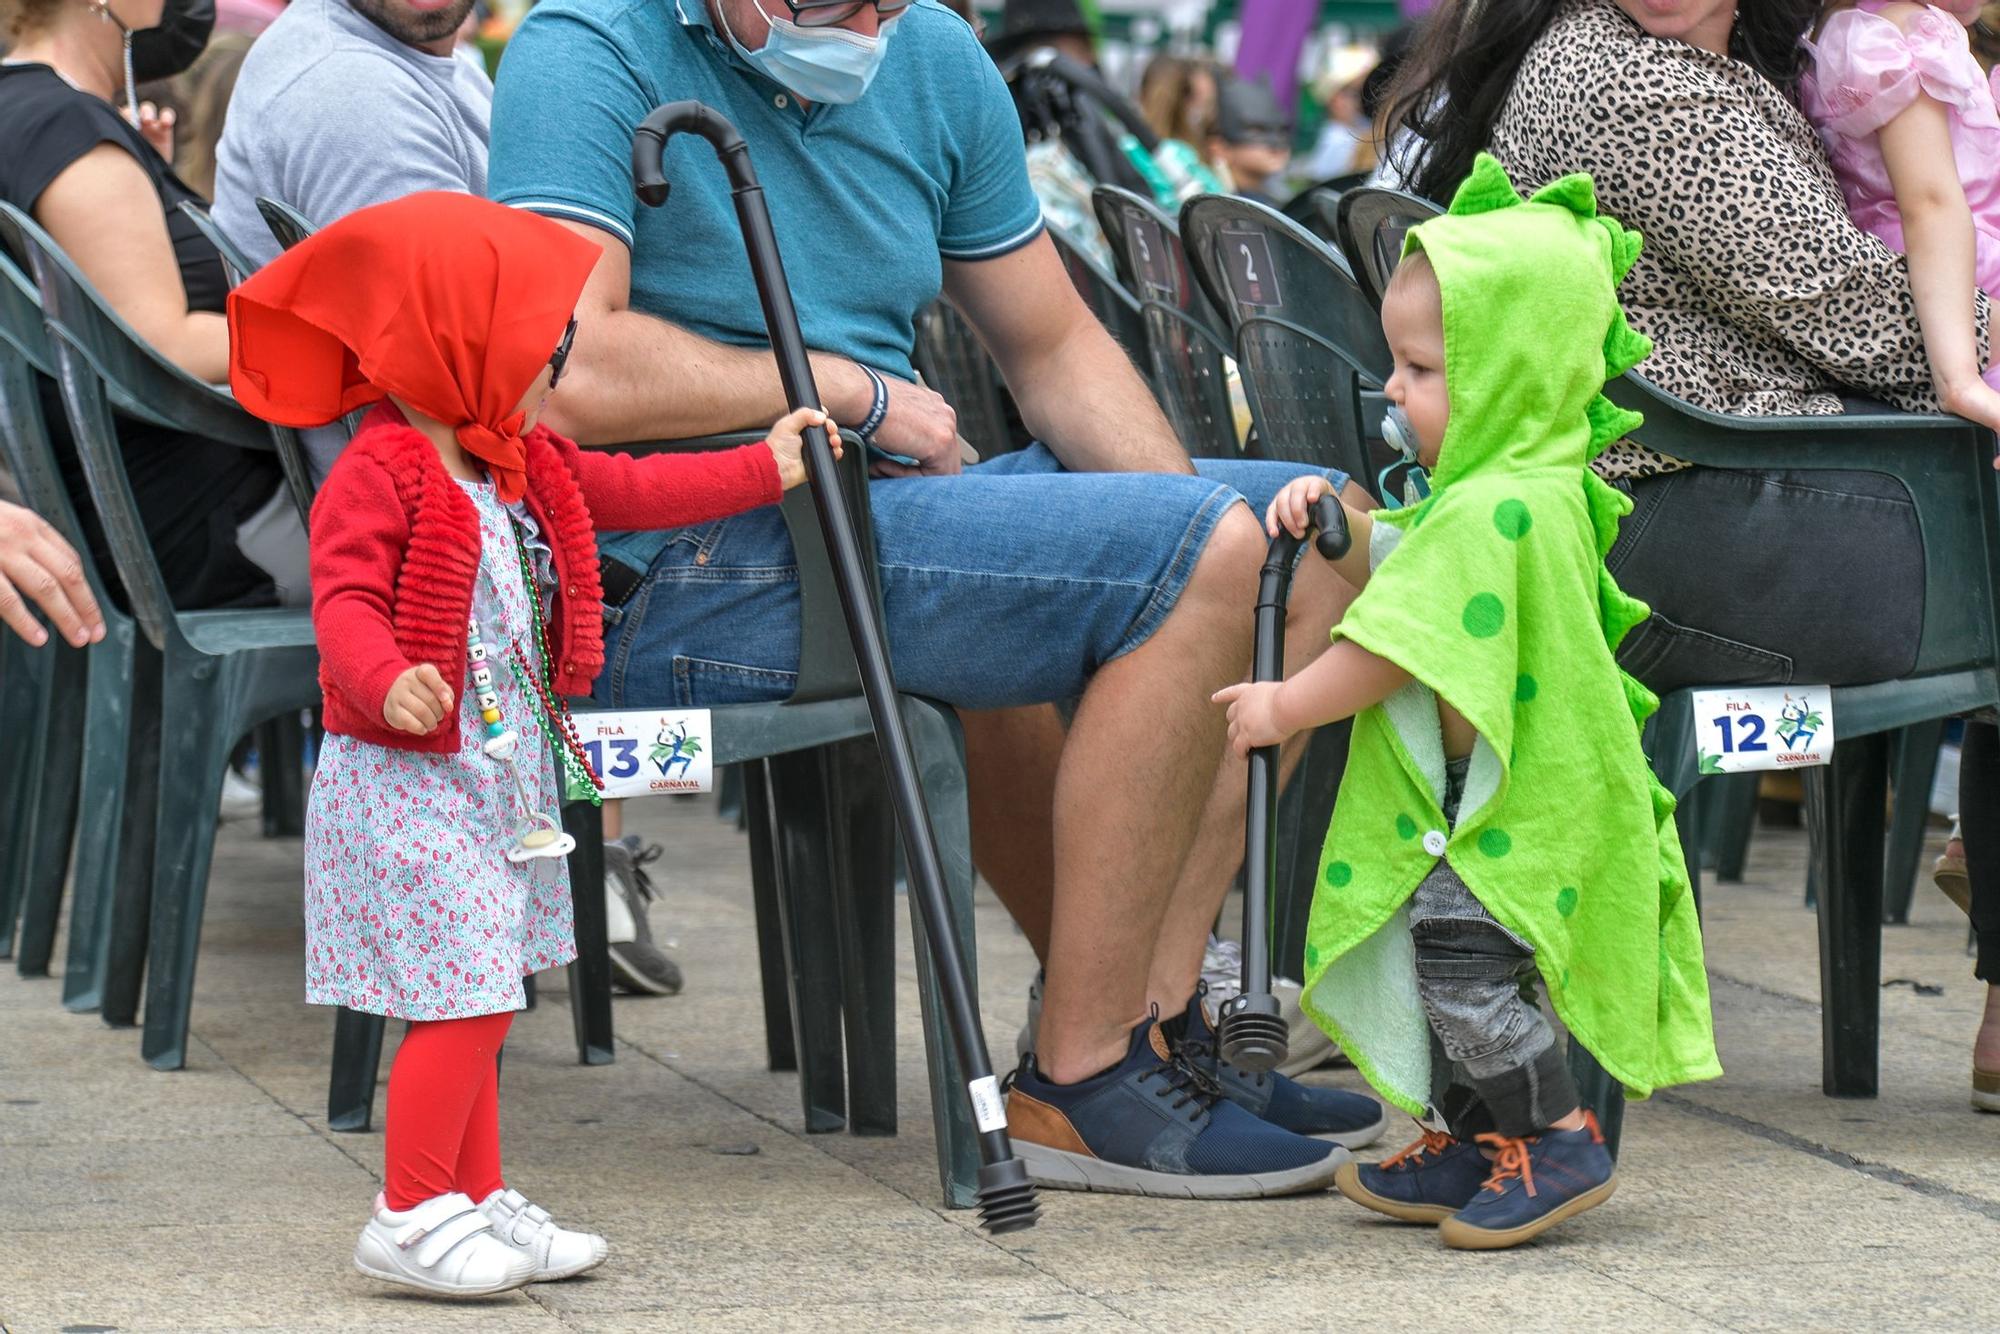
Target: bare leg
[[1318, 598], [1011, 759], [1136, 772], [614, 821]]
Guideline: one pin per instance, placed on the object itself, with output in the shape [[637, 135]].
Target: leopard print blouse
[[1761, 297]]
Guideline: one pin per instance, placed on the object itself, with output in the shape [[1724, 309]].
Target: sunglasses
[[560, 357], [827, 13]]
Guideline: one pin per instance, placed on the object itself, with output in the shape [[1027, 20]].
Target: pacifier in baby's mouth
[[1400, 436]]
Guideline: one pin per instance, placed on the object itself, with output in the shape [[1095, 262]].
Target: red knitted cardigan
[[395, 553]]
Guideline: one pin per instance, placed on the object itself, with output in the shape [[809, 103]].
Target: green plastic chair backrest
[[100, 362], [952, 360], [1185, 345], [291, 452], [287, 224], [1945, 462], [25, 357], [1116, 309], [1308, 345], [236, 266]]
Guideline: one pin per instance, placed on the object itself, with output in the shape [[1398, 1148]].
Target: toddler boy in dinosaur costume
[[1498, 822]]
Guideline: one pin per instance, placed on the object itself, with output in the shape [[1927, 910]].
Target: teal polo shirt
[[867, 197]]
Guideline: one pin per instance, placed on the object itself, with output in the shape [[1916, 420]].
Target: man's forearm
[[1084, 399], [636, 378]]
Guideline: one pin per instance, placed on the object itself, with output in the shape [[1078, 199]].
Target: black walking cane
[[1006, 1197], [1254, 1035]]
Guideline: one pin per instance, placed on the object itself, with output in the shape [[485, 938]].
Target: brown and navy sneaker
[[1535, 1184], [1155, 1124]]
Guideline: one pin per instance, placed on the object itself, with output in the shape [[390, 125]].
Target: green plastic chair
[[41, 689], [1947, 465], [1307, 346], [291, 452], [222, 672], [1185, 346]]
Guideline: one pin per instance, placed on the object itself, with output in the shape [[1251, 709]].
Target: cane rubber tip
[[1006, 1197], [1255, 1042]]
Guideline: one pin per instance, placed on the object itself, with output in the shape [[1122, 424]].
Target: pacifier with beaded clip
[[536, 834]]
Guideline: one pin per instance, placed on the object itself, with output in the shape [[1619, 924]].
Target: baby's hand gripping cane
[[1006, 1197], [1254, 1036]]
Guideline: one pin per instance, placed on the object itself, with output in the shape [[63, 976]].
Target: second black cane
[[1254, 1033]]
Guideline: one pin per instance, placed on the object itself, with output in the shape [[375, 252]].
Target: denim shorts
[[1009, 584]]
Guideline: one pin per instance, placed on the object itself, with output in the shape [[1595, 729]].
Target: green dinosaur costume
[[1492, 594]]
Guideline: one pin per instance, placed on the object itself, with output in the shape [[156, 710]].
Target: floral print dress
[[412, 908]]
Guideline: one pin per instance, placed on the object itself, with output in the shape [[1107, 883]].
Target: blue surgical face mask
[[819, 64], [1400, 436]]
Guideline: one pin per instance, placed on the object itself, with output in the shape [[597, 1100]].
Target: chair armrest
[[1873, 438]]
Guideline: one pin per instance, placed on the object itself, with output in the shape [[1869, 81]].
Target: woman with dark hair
[[1761, 297]]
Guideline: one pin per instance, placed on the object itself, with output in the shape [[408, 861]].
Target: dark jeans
[[1495, 1064], [1765, 578], [1979, 821]]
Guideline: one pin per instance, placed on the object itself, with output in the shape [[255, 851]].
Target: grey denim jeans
[[1494, 1060]]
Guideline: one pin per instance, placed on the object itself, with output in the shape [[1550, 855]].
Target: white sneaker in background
[[1308, 1047], [444, 1246], [558, 1252], [241, 797]]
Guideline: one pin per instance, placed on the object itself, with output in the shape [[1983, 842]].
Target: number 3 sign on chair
[[1771, 727]]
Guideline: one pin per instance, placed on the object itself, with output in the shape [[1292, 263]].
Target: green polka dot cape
[[1492, 594]]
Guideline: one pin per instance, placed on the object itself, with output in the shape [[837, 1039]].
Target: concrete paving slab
[[126, 1184], [1450, 1292], [287, 1274], [918, 1317], [1900, 1289]]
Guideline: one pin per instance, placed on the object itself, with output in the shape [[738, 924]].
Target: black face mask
[[162, 52]]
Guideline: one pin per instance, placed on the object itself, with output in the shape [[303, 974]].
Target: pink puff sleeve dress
[[1865, 72]]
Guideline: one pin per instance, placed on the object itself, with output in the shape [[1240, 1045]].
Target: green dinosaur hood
[[1526, 285], [1493, 595]]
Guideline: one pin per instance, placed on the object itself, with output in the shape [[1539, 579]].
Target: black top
[[192, 492]]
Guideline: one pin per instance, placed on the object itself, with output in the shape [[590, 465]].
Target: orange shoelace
[[1434, 1141], [1510, 1160]]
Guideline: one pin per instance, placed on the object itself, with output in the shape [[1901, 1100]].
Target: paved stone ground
[[216, 1198]]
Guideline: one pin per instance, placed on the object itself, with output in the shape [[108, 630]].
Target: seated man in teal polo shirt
[[1102, 567]]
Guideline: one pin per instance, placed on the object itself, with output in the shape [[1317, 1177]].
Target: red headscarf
[[449, 302]]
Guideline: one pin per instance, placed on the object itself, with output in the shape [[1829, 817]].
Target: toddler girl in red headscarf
[[456, 602]]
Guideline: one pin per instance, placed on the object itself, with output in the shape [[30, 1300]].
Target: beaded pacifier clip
[[536, 834]]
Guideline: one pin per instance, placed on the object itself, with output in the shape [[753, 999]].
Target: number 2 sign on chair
[[649, 752], [1769, 727]]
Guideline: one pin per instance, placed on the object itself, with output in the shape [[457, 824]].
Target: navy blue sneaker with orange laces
[[1535, 1184], [1427, 1182]]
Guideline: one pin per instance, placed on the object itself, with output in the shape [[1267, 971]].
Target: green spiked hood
[[1492, 593], [1526, 287]]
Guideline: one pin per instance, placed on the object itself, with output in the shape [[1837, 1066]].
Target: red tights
[[443, 1130]]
